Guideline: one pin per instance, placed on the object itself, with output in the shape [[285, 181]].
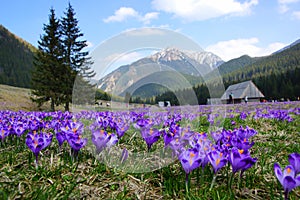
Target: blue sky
[[228, 28]]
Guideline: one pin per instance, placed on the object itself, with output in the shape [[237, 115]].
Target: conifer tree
[[77, 64], [45, 83]]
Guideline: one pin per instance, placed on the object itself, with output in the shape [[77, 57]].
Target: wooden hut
[[241, 91]]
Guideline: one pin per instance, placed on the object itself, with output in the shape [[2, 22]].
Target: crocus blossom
[[294, 160]]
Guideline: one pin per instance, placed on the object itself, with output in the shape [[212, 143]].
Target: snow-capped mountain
[[202, 57], [171, 59]]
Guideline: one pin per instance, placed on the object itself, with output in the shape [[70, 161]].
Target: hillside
[[237, 63], [278, 63], [15, 98], [16, 59]]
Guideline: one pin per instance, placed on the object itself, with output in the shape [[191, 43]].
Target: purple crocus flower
[[217, 136], [243, 115], [142, 123], [217, 159], [294, 160], [121, 129], [19, 129], [240, 159], [177, 145], [168, 136], [72, 128], [242, 144], [190, 160], [287, 178], [150, 136], [76, 142], [61, 137], [4, 132], [101, 139], [37, 142], [112, 140], [247, 132]]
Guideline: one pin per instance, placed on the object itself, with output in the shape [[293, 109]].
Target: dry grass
[[15, 99]]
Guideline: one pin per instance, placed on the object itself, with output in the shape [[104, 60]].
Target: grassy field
[[15, 98], [60, 176]]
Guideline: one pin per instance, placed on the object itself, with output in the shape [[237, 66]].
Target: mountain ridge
[[170, 59]]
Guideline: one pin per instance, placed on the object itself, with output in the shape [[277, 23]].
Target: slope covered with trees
[[16, 59]]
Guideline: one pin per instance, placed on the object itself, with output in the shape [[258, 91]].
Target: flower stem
[[286, 195], [230, 183], [240, 179], [187, 183], [213, 182], [36, 162]]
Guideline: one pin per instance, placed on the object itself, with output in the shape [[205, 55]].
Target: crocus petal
[[289, 171], [297, 179], [294, 160], [288, 183], [278, 172]]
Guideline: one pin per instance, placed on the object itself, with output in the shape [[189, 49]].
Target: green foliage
[[75, 60], [101, 95], [48, 65], [16, 57]]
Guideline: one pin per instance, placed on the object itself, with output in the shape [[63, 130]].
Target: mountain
[[278, 63], [277, 76], [237, 63], [16, 59], [287, 47], [170, 63]]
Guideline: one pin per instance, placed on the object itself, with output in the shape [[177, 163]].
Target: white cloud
[[121, 14], [296, 15], [244, 46], [197, 10], [146, 19], [125, 13], [284, 5]]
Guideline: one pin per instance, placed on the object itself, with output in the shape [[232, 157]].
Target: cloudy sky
[[228, 28]]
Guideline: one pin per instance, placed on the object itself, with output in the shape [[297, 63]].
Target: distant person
[[165, 104], [246, 99], [230, 99]]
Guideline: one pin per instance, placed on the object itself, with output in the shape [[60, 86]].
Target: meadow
[[186, 152]]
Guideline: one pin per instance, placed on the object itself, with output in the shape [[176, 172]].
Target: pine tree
[[45, 83], [77, 64]]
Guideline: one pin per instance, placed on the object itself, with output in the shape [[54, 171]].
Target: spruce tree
[[45, 83], [77, 64]]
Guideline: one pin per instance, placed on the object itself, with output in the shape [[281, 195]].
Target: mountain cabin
[[240, 92]]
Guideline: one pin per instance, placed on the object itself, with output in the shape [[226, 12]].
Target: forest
[[16, 59]]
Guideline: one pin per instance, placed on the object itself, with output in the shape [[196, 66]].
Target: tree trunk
[[52, 105], [67, 106]]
